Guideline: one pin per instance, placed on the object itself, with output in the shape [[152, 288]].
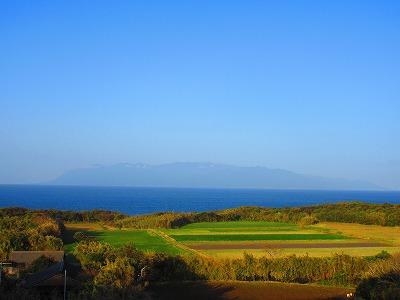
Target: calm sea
[[132, 200]]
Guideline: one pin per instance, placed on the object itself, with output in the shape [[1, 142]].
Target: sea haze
[[203, 175], [133, 200]]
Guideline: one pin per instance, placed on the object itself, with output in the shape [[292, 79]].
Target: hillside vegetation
[[346, 212], [29, 232], [111, 262]]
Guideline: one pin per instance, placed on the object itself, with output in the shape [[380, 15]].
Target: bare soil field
[[236, 290]]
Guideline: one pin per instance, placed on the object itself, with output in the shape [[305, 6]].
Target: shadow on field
[[68, 234], [231, 290], [69, 243], [191, 291]]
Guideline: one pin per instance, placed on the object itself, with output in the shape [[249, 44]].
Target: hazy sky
[[309, 86]]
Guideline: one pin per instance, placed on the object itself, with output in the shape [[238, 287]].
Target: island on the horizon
[[203, 175]]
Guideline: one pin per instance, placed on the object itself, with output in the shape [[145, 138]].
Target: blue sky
[[309, 86]]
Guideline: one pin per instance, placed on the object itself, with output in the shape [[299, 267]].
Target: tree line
[[346, 212], [29, 232]]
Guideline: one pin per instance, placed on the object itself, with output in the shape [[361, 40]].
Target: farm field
[[312, 252], [367, 232], [143, 239], [257, 237], [234, 290], [231, 239]]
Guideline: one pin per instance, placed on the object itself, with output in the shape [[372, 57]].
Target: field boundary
[[173, 242]]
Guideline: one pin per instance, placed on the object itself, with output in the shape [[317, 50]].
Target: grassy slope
[[245, 232], [142, 239]]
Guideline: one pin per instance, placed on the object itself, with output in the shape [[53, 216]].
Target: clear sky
[[308, 86]]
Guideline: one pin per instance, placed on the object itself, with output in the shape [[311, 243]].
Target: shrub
[[382, 280], [308, 220], [53, 243], [385, 266], [92, 254], [117, 274], [386, 286], [80, 236]]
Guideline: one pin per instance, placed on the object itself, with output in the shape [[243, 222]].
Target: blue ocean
[[133, 200]]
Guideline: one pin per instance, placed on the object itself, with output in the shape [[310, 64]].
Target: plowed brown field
[[234, 290]]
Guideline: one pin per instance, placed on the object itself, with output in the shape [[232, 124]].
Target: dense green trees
[[158, 220], [65, 215], [29, 232], [347, 212]]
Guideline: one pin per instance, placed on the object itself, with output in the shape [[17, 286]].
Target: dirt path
[[244, 246], [173, 242]]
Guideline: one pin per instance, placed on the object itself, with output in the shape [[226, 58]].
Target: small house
[[21, 260]]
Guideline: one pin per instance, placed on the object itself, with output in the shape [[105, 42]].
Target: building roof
[[51, 276], [28, 257]]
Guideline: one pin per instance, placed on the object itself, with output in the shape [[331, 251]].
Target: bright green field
[[238, 224], [142, 239], [256, 237], [247, 231], [218, 234], [237, 227], [199, 236]]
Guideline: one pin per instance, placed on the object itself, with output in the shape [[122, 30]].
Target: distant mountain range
[[203, 175]]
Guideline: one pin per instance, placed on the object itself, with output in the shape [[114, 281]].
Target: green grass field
[[231, 239], [248, 231], [142, 239], [239, 224]]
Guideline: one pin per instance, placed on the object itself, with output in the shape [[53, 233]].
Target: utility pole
[[65, 284]]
